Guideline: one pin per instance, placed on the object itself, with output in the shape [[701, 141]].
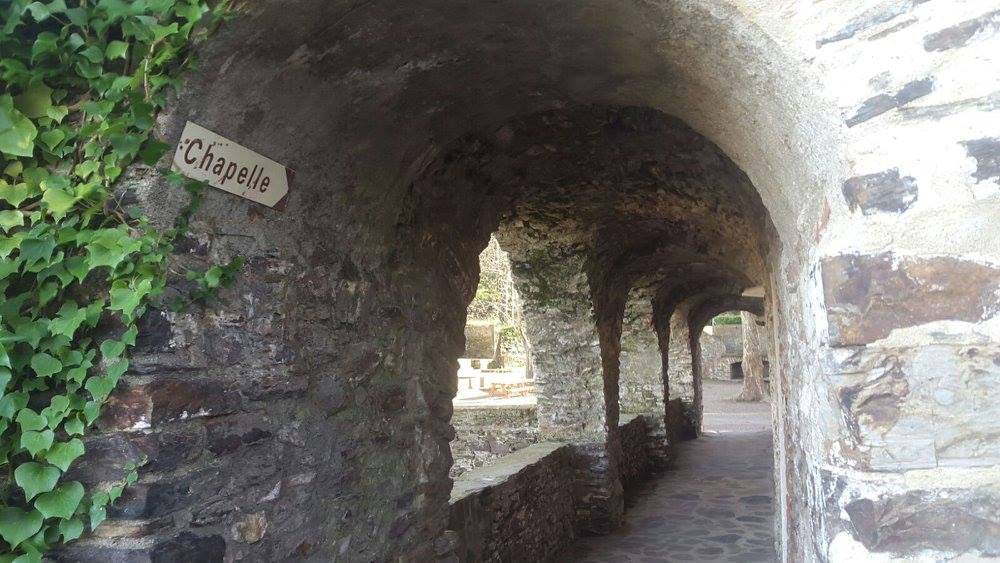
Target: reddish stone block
[[867, 296]]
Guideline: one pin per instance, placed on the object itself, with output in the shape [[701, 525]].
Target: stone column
[[680, 373], [570, 375], [641, 385]]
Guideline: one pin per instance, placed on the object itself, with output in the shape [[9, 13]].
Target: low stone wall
[[483, 434], [519, 508], [635, 463], [679, 421]]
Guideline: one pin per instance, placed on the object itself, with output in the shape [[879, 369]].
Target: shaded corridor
[[714, 505]]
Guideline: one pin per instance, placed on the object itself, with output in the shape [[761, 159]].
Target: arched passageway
[[645, 157]]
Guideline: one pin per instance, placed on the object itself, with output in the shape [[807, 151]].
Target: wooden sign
[[224, 164]]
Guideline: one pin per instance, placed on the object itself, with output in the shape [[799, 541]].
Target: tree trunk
[[529, 370], [753, 360]]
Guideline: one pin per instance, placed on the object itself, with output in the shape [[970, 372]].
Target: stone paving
[[714, 505]]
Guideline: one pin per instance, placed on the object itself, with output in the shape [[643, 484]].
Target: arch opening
[[417, 131], [606, 213]]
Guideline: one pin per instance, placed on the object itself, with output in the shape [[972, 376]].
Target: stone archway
[[316, 399]]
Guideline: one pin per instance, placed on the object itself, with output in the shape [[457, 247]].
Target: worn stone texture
[[680, 372], [884, 191], [870, 296], [721, 347], [637, 442], [483, 434], [518, 509], [640, 383], [696, 142], [953, 520]]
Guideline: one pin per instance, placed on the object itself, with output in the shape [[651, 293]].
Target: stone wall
[[845, 158], [722, 346], [483, 434], [636, 462], [715, 359], [521, 507]]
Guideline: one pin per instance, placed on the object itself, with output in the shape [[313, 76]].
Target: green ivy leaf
[[93, 54], [35, 101], [36, 442], [124, 299], [15, 194], [91, 411], [52, 138], [17, 132], [30, 547], [86, 168], [62, 502], [100, 386], [125, 144], [112, 348], [58, 202], [97, 514], [57, 113], [71, 529], [116, 50], [77, 16], [10, 219], [39, 11], [153, 152], [70, 319], [35, 478], [28, 419], [77, 265], [46, 42], [56, 411], [47, 292], [11, 403], [62, 454], [36, 249], [74, 426], [17, 525], [45, 365]]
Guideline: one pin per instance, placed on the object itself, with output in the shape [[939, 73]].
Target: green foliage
[[727, 319], [80, 84]]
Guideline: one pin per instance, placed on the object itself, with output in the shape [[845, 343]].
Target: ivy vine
[[80, 84]]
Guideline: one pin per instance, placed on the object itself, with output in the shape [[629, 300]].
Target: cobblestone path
[[715, 505]]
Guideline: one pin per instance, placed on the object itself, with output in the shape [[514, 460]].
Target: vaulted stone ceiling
[[637, 194]]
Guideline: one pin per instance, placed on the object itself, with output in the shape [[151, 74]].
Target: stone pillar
[[641, 386], [569, 369], [641, 380], [680, 373]]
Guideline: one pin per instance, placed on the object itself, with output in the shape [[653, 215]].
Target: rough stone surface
[[519, 508], [883, 191], [480, 340], [680, 373], [956, 520], [870, 296], [683, 150], [720, 349], [635, 462], [986, 151], [483, 434]]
